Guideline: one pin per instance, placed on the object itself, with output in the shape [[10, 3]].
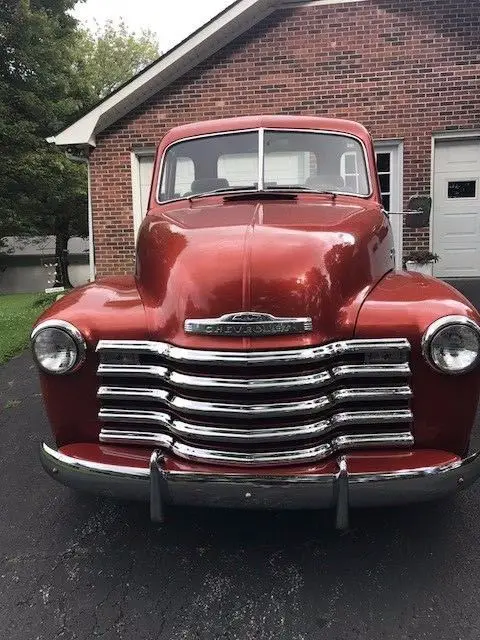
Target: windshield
[[264, 160]]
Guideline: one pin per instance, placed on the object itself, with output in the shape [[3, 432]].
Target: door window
[[384, 165]]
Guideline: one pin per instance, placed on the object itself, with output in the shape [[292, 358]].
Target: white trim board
[[396, 147], [457, 135]]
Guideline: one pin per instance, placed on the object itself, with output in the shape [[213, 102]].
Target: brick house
[[409, 70]]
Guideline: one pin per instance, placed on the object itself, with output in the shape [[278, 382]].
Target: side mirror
[[418, 212]]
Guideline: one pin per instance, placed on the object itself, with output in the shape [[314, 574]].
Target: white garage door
[[142, 169], [145, 175], [456, 208]]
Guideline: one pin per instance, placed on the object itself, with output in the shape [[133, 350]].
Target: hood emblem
[[248, 324]]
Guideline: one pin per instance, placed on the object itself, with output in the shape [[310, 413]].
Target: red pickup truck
[[265, 353]]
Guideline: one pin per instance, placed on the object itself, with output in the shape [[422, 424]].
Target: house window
[[384, 166], [462, 189]]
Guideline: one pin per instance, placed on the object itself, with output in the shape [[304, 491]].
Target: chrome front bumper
[[340, 491]]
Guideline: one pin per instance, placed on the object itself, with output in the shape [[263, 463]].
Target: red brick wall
[[404, 68]]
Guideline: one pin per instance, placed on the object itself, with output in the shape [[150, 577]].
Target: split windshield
[[264, 160]]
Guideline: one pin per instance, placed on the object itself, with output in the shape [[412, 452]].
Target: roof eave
[[80, 133], [225, 27]]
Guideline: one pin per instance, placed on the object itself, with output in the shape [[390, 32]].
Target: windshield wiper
[[237, 192], [297, 187], [220, 191]]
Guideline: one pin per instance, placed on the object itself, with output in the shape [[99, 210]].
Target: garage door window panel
[[462, 189]]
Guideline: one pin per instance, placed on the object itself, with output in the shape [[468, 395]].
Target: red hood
[[290, 258]]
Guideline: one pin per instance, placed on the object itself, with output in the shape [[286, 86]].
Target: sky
[[171, 21]]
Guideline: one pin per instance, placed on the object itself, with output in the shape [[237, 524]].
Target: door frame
[[443, 136], [395, 145], [135, 157]]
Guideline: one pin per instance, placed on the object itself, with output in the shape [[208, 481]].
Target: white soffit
[[213, 36]]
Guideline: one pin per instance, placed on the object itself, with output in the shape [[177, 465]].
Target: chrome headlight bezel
[[72, 332], [433, 331]]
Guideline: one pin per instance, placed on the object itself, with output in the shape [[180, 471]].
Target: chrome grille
[[258, 407]]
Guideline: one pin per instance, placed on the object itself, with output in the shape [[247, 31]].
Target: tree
[[111, 55], [38, 92], [50, 72]]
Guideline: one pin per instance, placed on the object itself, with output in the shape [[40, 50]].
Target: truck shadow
[[415, 527], [218, 574]]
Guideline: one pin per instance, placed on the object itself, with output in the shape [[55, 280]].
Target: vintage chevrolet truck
[[265, 353]]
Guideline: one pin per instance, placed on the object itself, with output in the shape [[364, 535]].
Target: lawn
[[17, 314]]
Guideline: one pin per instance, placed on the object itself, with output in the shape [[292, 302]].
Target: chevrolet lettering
[[249, 324], [265, 353]]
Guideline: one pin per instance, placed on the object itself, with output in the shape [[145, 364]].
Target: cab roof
[[267, 122]]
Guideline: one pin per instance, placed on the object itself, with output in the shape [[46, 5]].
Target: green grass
[[17, 314]]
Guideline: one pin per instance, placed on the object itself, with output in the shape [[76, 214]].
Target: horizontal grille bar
[[256, 358], [252, 411], [269, 434], [288, 457], [371, 371], [300, 404], [253, 385]]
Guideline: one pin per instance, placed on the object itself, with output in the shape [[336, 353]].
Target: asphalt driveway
[[79, 567]]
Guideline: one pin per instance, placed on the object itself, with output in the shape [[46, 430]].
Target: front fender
[[109, 309], [404, 305]]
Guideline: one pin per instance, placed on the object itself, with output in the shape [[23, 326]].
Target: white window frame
[[395, 148], [135, 157]]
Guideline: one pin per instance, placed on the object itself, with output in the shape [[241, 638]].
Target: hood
[[289, 258]]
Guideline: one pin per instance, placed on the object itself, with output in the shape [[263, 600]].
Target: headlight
[[452, 344], [58, 347]]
